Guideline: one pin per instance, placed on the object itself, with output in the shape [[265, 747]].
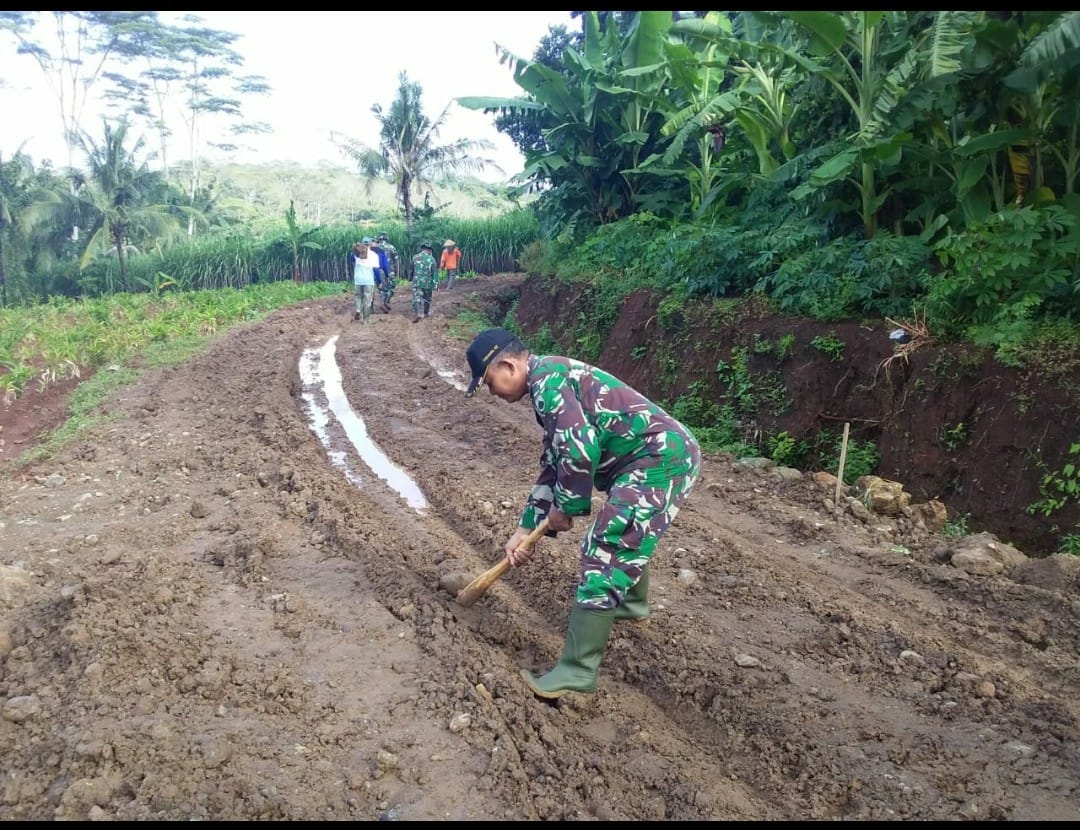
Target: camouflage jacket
[[596, 428], [425, 270], [392, 258]]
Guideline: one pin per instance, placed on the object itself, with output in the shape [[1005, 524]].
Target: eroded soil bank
[[949, 422]]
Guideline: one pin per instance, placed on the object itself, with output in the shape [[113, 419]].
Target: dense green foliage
[[843, 164], [64, 337], [282, 251], [768, 166]]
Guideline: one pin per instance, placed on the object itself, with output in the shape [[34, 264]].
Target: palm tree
[[13, 175], [25, 250], [119, 192], [408, 155]]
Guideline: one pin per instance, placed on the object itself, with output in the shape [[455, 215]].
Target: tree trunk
[[406, 200], [121, 258], [3, 275]]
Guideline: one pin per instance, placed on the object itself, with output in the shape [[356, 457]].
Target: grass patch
[[88, 396], [85, 399], [126, 334], [175, 351], [467, 324]]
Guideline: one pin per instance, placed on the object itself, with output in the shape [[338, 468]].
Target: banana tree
[[873, 80], [602, 113], [758, 101], [1042, 97], [695, 114], [725, 79], [990, 139], [298, 241], [859, 55], [962, 175]]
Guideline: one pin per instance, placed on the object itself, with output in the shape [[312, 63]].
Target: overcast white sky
[[326, 69]]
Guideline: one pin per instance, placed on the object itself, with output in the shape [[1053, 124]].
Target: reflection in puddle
[[451, 377], [319, 372]]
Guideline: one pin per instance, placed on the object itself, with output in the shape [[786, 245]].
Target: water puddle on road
[[452, 378], [319, 373]]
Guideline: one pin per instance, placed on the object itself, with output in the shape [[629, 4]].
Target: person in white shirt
[[363, 263]]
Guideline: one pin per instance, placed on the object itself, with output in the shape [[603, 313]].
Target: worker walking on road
[[450, 261], [363, 263], [425, 277], [598, 432], [383, 281], [392, 268]]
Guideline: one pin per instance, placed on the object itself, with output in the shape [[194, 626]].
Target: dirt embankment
[[948, 421]]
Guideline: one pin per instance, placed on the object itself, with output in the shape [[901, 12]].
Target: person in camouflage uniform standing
[[599, 432], [425, 278], [389, 282]]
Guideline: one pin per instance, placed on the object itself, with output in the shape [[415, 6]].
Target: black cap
[[484, 349]]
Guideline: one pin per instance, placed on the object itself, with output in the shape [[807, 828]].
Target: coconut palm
[[14, 174], [408, 155], [120, 194], [28, 250]]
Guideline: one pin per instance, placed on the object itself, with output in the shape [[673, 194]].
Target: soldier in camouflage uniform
[[389, 283], [425, 278], [597, 432]]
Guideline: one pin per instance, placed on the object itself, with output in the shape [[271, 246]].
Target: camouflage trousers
[[640, 506], [365, 298], [386, 289], [421, 299]]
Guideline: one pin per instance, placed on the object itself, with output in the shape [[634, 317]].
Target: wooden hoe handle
[[478, 587]]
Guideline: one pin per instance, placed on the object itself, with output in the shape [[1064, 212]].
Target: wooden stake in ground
[[840, 472]]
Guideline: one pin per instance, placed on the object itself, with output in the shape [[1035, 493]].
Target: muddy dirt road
[[214, 608]]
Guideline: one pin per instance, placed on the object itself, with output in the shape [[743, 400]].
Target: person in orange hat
[[449, 261]]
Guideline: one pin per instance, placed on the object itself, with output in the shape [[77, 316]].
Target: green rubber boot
[[586, 642], [635, 605]]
